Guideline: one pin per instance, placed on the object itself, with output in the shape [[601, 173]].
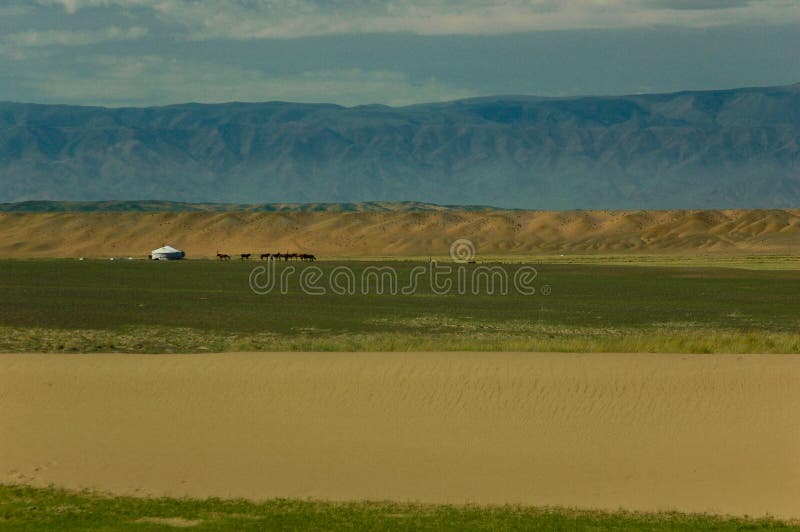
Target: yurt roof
[[166, 249]]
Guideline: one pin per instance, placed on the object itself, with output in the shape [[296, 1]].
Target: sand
[[332, 234], [704, 433]]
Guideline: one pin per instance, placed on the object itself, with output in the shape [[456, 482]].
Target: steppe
[[654, 370]]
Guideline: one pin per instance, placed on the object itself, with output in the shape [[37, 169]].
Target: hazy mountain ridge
[[712, 149], [177, 206]]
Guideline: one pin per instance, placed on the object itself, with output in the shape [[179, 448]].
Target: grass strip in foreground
[[27, 508], [450, 335]]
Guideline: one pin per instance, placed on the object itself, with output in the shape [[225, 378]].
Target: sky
[[398, 52]]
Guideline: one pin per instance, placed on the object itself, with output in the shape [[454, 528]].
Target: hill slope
[[201, 234], [731, 148]]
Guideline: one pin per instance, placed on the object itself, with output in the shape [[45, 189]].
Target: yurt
[[167, 253]]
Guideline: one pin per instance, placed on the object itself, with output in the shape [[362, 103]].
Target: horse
[[245, 256], [266, 256], [308, 256], [223, 256]]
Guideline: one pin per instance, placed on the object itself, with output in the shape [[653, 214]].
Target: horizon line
[[795, 85]]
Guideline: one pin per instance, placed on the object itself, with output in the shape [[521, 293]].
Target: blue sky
[[156, 52]]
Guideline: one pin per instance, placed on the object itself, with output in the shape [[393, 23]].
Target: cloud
[[73, 38], [14, 10], [698, 4], [153, 80], [256, 19], [72, 6]]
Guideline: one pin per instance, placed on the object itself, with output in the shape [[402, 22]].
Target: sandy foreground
[[707, 433]]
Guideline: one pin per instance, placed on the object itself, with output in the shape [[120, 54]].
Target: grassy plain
[[26, 508], [190, 306]]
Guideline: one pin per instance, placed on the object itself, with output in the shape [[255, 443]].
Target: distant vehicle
[[167, 253]]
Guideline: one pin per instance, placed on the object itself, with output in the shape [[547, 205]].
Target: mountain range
[[737, 148], [45, 206]]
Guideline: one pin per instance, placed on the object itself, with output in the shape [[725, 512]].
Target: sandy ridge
[[400, 233]]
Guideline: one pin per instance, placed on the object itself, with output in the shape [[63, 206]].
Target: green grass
[[189, 306], [26, 508], [763, 261]]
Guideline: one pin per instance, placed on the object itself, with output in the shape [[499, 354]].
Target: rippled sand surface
[[708, 433]]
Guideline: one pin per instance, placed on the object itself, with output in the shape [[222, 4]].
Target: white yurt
[[167, 253]]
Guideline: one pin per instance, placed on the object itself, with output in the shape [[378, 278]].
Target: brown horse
[[308, 256], [223, 256], [245, 256], [266, 256]]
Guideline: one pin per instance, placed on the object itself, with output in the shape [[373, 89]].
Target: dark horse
[[308, 257], [223, 256], [266, 256], [245, 256]]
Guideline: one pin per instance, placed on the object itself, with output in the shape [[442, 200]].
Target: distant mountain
[[712, 149], [177, 206]]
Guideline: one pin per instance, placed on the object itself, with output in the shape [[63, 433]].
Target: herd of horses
[[271, 256]]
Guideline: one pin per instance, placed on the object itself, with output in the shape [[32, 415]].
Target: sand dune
[[704, 433], [400, 233]]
